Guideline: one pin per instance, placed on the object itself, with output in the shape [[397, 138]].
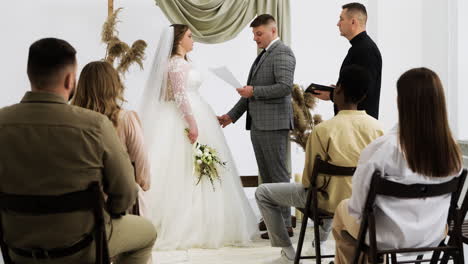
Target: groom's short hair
[[45, 60], [261, 20]]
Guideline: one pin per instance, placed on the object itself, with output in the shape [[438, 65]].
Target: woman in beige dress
[[100, 89]]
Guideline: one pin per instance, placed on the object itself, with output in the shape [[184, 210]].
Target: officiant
[[363, 52]]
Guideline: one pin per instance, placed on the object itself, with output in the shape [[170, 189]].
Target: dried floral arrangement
[[118, 50], [304, 122]]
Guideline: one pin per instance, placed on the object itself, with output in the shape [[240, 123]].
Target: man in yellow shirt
[[338, 141]]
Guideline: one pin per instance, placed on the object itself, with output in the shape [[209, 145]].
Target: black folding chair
[[464, 229], [381, 186], [88, 200], [311, 209], [135, 209]]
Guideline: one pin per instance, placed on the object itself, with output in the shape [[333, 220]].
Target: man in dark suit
[[267, 100], [363, 52]]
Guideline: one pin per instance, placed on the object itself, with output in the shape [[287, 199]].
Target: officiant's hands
[[246, 91], [323, 95], [224, 120]]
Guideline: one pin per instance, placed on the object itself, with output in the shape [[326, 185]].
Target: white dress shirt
[[271, 43], [400, 223]]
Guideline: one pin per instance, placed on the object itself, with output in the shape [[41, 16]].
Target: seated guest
[[52, 148], [338, 141], [420, 149], [100, 89]]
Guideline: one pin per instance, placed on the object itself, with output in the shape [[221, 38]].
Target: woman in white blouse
[[419, 149]]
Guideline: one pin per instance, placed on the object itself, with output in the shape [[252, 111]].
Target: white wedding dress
[[187, 215]]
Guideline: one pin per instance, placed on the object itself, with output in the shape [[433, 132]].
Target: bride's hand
[[193, 134]]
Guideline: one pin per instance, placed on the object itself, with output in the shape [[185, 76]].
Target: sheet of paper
[[226, 75]]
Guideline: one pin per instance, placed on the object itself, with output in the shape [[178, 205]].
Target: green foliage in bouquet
[[206, 161], [118, 50], [304, 122]]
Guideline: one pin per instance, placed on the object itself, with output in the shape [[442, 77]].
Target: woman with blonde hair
[[100, 89]]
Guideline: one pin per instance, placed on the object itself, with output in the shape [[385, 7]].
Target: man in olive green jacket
[[50, 148]]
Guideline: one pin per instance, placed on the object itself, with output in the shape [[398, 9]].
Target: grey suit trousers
[[269, 199], [270, 149]]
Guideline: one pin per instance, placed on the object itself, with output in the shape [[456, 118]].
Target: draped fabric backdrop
[[216, 21]]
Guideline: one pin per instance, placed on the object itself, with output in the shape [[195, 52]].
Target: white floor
[[259, 251]]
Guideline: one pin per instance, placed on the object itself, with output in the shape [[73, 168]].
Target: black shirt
[[364, 52]]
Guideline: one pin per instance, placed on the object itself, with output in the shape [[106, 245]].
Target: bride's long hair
[[179, 32], [100, 89]]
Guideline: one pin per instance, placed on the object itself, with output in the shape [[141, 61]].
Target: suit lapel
[[250, 74], [262, 59]]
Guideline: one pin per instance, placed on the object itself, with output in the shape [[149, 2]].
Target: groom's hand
[[246, 91], [224, 120]]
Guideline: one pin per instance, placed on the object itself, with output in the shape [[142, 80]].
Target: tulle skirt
[[187, 215]]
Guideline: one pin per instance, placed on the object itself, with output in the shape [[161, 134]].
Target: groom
[[267, 100]]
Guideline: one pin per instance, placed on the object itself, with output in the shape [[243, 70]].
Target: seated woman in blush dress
[[100, 89]]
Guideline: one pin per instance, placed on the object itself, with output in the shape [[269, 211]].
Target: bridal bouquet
[[206, 161]]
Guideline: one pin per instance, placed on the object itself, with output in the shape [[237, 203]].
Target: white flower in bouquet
[[206, 161]]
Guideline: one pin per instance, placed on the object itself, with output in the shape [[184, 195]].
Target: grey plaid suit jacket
[[270, 106]]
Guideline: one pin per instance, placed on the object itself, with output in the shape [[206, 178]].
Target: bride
[[187, 214]]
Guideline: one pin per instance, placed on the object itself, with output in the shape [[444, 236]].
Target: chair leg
[[419, 257], [318, 255], [6, 255], [394, 258], [301, 238], [436, 253], [446, 256]]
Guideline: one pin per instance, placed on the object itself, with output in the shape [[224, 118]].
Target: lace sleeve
[[177, 75]]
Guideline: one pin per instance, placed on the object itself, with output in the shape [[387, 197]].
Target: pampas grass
[[135, 54], [304, 122], [108, 29], [118, 50], [115, 49]]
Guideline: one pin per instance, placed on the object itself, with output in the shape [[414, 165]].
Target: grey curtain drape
[[215, 21]]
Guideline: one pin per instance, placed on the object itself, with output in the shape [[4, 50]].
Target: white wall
[[462, 68], [401, 29]]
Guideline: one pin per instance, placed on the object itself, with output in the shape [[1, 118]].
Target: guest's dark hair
[[424, 133], [179, 32], [354, 80], [262, 20], [46, 58], [356, 9]]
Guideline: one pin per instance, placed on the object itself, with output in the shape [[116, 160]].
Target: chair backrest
[[464, 202], [90, 199], [381, 186], [323, 167]]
